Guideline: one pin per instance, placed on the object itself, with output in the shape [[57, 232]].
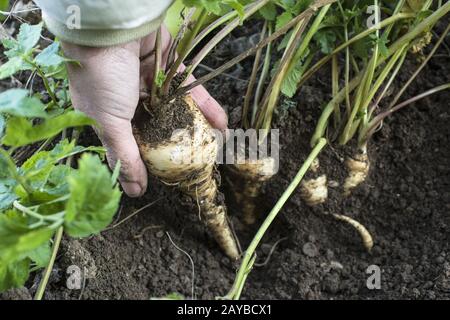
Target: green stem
[[249, 255], [158, 60], [262, 80], [13, 171], [184, 51], [335, 89], [347, 62], [372, 126], [388, 84], [211, 27], [44, 79], [252, 82], [432, 19], [361, 96], [420, 68], [329, 108], [275, 35], [48, 270], [264, 118], [50, 218], [367, 96], [310, 34], [294, 52], [356, 38], [248, 12]]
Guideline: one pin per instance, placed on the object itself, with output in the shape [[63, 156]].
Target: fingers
[[210, 108], [106, 88], [121, 145]]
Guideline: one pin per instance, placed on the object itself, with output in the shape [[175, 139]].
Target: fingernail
[[132, 189]]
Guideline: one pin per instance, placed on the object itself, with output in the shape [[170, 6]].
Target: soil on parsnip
[[158, 123], [404, 203]]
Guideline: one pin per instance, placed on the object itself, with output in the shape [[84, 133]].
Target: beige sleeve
[[102, 22]]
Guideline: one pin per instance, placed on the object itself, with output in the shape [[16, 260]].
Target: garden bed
[[404, 204]]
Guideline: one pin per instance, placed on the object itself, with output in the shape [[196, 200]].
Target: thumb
[[117, 137]]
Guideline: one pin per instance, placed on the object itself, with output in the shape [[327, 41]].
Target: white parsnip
[[315, 190], [189, 164], [249, 179], [358, 169]]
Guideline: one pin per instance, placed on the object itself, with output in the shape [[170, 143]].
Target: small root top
[[160, 122]]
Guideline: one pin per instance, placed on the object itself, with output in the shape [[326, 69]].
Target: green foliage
[[217, 7], [20, 131], [50, 57], [4, 5], [326, 40], [283, 19], [160, 78], [28, 37], [44, 194], [2, 125], [11, 67], [84, 201], [48, 64], [18, 239], [15, 102], [290, 83], [269, 11], [88, 212], [14, 275]]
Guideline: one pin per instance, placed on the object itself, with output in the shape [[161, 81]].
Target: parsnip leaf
[[7, 194], [15, 102], [14, 275], [18, 240], [20, 131], [29, 36], [41, 255], [11, 67], [269, 11], [50, 57], [94, 199]]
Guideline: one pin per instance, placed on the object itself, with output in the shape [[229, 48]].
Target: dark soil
[[166, 117], [404, 203]]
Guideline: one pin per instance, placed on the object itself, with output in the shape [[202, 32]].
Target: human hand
[[107, 88]]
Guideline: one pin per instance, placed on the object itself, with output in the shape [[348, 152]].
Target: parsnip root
[[249, 178], [364, 233], [188, 161], [314, 191], [358, 169]]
